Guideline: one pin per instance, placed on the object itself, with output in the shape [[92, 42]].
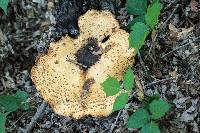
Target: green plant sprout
[[145, 19], [9, 104], [145, 117], [4, 5], [112, 87]]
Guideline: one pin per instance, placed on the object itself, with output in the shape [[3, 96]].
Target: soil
[[168, 64]]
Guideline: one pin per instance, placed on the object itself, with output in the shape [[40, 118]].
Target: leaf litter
[[18, 49]]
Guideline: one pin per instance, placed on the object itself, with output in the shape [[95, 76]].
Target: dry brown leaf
[[153, 35], [184, 33], [44, 24], [173, 32], [140, 89], [173, 28], [194, 5], [173, 73], [179, 33]]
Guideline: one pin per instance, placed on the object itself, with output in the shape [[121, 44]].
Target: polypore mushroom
[[70, 74]]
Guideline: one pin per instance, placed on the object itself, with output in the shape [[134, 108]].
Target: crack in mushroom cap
[[62, 82]]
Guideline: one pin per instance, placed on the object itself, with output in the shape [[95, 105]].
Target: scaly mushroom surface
[[69, 75]]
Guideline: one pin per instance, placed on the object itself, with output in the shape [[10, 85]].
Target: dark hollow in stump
[[68, 11]]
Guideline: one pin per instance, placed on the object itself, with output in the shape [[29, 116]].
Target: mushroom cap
[[71, 90]]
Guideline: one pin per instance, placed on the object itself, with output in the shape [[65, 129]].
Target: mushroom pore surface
[[69, 76]]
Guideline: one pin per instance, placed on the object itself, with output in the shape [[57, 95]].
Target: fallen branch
[[171, 15], [34, 119], [183, 44], [114, 124], [158, 81], [174, 50], [161, 28], [119, 114]]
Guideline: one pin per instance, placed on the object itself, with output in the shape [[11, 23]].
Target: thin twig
[[30, 46], [153, 42], [171, 15], [76, 63], [114, 124], [34, 119], [170, 4], [183, 44], [142, 63], [161, 28], [158, 81], [119, 114], [16, 121], [177, 48]]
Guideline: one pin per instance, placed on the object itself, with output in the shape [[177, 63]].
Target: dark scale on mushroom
[[86, 87], [86, 55]]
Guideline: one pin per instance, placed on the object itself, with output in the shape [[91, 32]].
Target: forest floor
[[168, 64]]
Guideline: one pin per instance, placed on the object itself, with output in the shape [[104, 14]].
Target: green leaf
[[21, 96], [25, 106], [9, 103], [140, 18], [120, 101], [154, 1], [151, 127], [111, 86], [128, 79], [4, 5], [2, 122], [151, 98], [12, 103], [153, 12], [158, 108], [136, 7], [138, 119], [138, 35]]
